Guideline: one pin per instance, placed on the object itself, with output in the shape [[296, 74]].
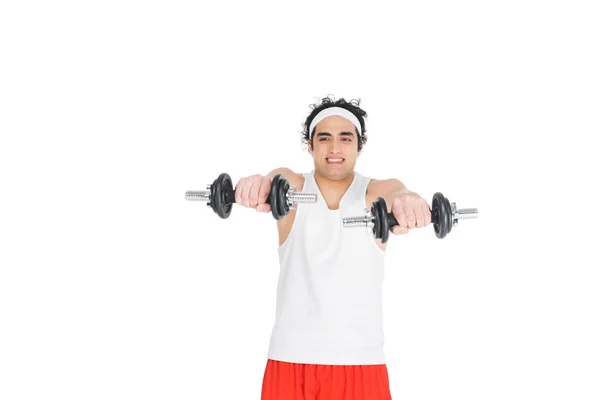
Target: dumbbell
[[444, 216], [221, 195]]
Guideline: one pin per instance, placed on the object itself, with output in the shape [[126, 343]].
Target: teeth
[[335, 159]]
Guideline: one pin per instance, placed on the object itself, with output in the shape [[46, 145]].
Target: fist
[[252, 192], [411, 211]]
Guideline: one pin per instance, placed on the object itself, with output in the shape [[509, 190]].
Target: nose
[[335, 147]]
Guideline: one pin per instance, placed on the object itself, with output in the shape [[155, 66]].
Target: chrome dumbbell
[[444, 216], [221, 195]]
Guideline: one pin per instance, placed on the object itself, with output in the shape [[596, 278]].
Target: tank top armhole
[[374, 244], [366, 181]]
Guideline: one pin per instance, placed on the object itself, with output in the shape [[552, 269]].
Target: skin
[[334, 137]]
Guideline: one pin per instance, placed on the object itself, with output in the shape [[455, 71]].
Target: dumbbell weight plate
[[381, 227], [272, 197], [220, 187], [284, 186], [277, 197], [443, 215]]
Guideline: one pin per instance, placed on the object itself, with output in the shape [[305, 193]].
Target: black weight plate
[[379, 211], [448, 216], [217, 196], [376, 221], [435, 210], [274, 197], [283, 188], [438, 206], [385, 227]]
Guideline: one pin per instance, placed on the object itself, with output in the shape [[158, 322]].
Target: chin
[[340, 174]]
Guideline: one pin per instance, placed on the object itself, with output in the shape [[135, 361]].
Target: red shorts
[[291, 381]]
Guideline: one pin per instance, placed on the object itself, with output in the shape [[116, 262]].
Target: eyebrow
[[341, 134]]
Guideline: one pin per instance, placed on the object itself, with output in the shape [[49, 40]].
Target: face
[[334, 140]]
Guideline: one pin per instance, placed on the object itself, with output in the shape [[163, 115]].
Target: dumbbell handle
[[461, 213], [444, 216], [393, 222], [220, 196], [229, 196]]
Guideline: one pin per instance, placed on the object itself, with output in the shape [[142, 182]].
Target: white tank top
[[329, 294]]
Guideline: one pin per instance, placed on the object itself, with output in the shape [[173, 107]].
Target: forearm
[[276, 171], [397, 193]]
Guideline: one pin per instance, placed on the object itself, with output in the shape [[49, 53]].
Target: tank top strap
[[358, 192], [308, 181], [362, 183]]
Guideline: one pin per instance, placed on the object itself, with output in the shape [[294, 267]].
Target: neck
[[333, 185]]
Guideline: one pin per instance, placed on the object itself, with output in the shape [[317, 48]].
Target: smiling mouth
[[334, 161]]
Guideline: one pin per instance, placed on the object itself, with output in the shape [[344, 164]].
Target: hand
[[253, 191], [411, 211]]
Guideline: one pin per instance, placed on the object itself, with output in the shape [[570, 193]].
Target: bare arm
[[388, 189], [286, 172]]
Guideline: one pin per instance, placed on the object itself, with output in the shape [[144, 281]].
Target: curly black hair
[[352, 106]]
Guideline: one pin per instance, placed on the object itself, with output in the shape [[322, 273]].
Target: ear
[[310, 149]]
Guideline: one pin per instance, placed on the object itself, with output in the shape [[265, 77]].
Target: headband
[[342, 112]]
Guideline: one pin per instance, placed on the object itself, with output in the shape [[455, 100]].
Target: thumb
[[398, 230], [263, 208]]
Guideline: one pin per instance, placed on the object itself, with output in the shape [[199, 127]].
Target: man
[[327, 341]]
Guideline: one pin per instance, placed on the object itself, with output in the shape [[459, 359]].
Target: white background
[[113, 286]]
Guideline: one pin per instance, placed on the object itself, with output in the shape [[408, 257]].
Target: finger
[[263, 193], [398, 230], [238, 192], [427, 214], [420, 217], [398, 212], [253, 194], [401, 217], [264, 208], [244, 195], [410, 217]]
